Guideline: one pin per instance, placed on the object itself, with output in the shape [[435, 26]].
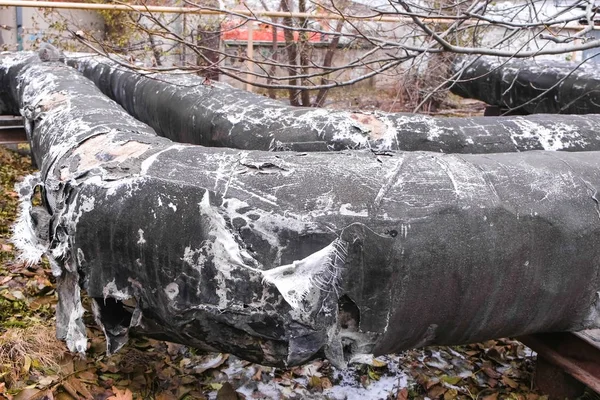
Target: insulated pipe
[[282, 257], [532, 86], [187, 109]]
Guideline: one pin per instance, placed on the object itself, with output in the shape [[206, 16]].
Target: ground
[[34, 365]]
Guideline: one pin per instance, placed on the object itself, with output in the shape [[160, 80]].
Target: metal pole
[[193, 10], [246, 13]]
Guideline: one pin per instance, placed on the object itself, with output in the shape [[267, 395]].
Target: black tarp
[[281, 257], [184, 109], [531, 86]]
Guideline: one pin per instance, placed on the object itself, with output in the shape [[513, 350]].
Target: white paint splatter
[[172, 290], [141, 239], [111, 290], [345, 210]]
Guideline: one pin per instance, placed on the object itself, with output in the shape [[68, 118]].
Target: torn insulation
[[282, 257]]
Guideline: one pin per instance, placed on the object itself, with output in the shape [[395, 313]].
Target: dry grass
[[23, 349]]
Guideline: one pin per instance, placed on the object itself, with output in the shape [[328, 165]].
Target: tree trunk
[[273, 68], [291, 48], [208, 40], [304, 56], [327, 62], [156, 51], [275, 49]]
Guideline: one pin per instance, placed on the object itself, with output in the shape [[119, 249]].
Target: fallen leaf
[[497, 354], [227, 392], [173, 349], [141, 343], [493, 396], [26, 365], [46, 381], [309, 369], [257, 375], [41, 301], [88, 377], [138, 383], [215, 385], [124, 394], [402, 394], [165, 396], [196, 395], [451, 394], [509, 382], [43, 395], [166, 373], [189, 379], [64, 396], [210, 362], [364, 381], [27, 394], [429, 383], [373, 375], [436, 391], [453, 380], [492, 382], [314, 382], [8, 296], [185, 363], [66, 365], [79, 387], [98, 346], [183, 390], [491, 373], [378, 363]]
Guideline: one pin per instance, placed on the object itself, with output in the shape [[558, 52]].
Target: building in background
[[23, 28]]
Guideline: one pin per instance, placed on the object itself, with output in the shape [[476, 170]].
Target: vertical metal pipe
[[19, 23]]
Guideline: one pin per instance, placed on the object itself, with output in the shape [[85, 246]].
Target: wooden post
[[250, 55]]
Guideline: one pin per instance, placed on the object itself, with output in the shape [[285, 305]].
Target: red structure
[[260, 33]]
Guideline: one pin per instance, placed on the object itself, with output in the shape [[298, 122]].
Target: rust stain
[[53, 101], [370, 125], [103, 150]]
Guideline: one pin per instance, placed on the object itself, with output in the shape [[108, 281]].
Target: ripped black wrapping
[[184, 109], [281, 257], [531, 86]]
